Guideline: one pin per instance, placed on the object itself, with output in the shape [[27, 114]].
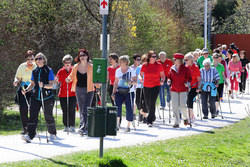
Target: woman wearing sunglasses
[[152, 76], [179, 77], [64, 93], [82, 84], [42, 80], [23, 76]]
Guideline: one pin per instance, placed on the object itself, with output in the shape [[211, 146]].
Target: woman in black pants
[[66, 96], [152, 76], [42, 79], [23, 76], [243, 76]]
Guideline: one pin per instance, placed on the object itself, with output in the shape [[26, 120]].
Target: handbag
[[123, 90]]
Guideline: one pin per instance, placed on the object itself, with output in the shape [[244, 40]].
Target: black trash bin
[[97, 121], [111, 120]]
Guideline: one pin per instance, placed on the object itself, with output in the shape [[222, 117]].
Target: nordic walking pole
[[67, 108], [169, 115], [189, 113], [44, 114], [163, 108], [140, 104], [220, 105], [29, 111], [229, 101], [133, 123], [199, 105]]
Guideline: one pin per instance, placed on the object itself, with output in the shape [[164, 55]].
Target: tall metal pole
[[104, 55], [205, 24]]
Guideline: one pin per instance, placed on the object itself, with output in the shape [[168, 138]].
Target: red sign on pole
[[104, 7]]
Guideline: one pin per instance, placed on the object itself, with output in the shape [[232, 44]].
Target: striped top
[[209, 76]]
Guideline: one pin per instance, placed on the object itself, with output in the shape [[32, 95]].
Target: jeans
[[84, 100], [162, 94], [150, 95], [128, 98], [204, 99]]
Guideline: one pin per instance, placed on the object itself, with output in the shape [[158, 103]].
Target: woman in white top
[[124, 78]]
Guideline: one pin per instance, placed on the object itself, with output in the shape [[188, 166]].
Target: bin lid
[[96, 110]]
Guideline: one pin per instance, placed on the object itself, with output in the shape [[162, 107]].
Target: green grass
[[10, 123], [229, 146]]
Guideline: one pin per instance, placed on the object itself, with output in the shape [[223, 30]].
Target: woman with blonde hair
[[124, 79], [42, 80]]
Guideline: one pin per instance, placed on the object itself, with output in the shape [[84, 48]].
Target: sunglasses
[[83, 55], [205, 53], [67, 62], [153, 56], [138, 59], [39, 58], [215, 57], [30, 59], [185, 59]]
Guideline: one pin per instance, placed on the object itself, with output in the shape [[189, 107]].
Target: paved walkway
[[12, 148]]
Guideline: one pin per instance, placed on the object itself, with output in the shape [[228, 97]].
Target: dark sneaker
[[186, 122], [141, 118], [205, 117], [145, 120], [176, 126], [24, 132], [26, 138], [213, 116], [127, 130], [66, 129], [150, 125]]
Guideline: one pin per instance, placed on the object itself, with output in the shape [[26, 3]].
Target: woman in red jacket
[[153, 75], [179, 77], [66, 95]]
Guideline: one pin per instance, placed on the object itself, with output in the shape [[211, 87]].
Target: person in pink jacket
[[235, 68]]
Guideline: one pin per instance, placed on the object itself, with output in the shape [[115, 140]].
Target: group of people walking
[[138, 86]]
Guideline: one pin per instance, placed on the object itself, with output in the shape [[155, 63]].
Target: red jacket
[[178, 79], [166, 65], [63, 74]]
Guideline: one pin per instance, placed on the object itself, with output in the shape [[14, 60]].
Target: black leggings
[[23, 107], [110, 90], [243, 79], [190, 99], [150, 95], [72, 111], [219, 91], [48, 114]]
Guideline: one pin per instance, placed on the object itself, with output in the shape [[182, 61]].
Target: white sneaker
[[72, 129], [52, 137], [26, 138]]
